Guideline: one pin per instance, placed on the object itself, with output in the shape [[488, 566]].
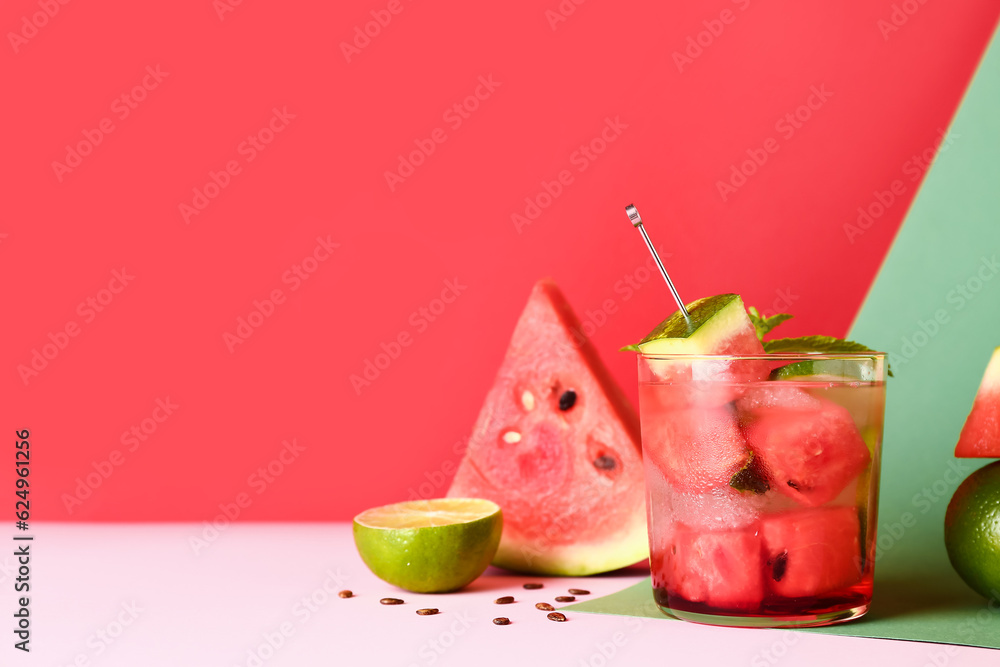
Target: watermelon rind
[[826, 370], [712, 318], [980, 437], [579, 559]]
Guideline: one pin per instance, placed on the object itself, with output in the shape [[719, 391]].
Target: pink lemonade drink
[[762, 485]]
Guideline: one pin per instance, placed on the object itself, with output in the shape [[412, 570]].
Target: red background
[[782, 232]]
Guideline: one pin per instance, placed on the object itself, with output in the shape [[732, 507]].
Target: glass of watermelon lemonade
[[762, 485]]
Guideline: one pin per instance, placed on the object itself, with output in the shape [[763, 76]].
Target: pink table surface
[[258, 595]]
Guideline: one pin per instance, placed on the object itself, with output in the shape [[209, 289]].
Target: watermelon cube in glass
[[762, 511]]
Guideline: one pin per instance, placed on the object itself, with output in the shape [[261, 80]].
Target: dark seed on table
[[567, 400], [578, 591], [427, 612], [507, 599], [345, 594], [545, 606], [565, 598], [556, 616], [391, 601], [532, 587], [503, 620]]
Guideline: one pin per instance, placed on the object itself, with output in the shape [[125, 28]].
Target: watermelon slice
[[980, 436], [812, 552], [696, 448], [718, 325], [811, 455], [721, 569], [556, 445]]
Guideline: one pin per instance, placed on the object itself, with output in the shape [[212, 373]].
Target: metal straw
[[633, 216]]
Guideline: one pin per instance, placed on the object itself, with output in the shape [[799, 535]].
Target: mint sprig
[[764, 325], [816, 344]]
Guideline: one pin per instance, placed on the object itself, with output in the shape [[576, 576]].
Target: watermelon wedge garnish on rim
[[717, 325], [980, 436], [556, 445]]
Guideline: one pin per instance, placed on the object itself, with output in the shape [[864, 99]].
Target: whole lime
[[972, 530], [429, 546]]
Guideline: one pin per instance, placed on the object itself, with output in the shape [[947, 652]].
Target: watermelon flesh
[[810, 454], [696, 448], [980, 437], [812, 552], [721, 569], [717, 325], [556, 445]]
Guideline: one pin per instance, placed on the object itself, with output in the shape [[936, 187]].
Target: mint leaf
[[764, 325], [816, 344]]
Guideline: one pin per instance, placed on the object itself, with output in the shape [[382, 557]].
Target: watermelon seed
[[604, 463], [793, 485], [528, 400], [556, 616], [507, 599], [578, 591], [512, 437], [778, 565], [391, 601], [427, 612], [565, 598], [501, 621], [532, 587], [345, 594], [567, 400], [545, 606]]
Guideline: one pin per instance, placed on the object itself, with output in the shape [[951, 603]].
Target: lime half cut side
[[827, 370], [429, 546]]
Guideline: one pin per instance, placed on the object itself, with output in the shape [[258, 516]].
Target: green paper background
[[935, 308]]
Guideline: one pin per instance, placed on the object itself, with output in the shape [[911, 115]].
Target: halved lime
[[429, 546], [827, 370], [823, 370]]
